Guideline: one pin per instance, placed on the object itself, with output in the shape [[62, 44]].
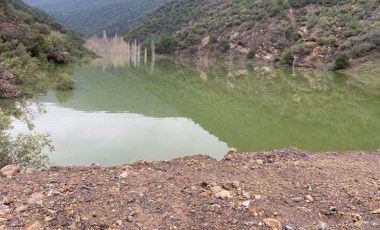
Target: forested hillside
[[29, 39], [93, 16], [307, 33]]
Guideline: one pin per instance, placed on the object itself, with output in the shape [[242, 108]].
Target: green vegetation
[[282, 28], [342, 61], [224, 45], [166, 44], [65, 82], [251, 54], [91, 17], [26, 150], [29, 41]]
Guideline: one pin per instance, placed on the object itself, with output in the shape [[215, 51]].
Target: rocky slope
[[309, 33], [286, 189]]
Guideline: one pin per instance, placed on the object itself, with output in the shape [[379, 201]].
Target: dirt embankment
[[286, 189]]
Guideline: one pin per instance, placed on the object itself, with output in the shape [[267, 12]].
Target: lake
[[121, 113]]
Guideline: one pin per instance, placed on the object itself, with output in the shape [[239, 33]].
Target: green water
[[120, 114]]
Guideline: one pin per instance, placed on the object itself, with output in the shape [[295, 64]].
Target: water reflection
[[121, 113]]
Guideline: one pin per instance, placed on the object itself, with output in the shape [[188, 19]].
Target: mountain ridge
[[307, 33], [92, 17]]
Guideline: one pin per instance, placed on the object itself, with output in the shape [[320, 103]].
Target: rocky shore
[[285, 189]]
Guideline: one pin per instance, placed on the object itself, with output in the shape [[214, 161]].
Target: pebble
[[53, 192], [246, 195], [258, 197], [260, 162], [216, 189], [236, 184], [10, 170], [119, 222], [287, 227], [297, 199], [124, 174], [322, 225], [21, 208], [224, 194], [246, 203], [273, 223], [250, 223], [376, 211], [309, 198], [36, 198], [7, 201]]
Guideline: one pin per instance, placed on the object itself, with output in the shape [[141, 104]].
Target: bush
[[342, 61], [224, 45], [65, 83], [25, 150], [287, 57], [251, 54], [166, 44]]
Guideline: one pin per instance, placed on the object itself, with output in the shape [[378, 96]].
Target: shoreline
[[288, 188]]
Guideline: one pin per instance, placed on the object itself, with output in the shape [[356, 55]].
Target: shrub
[[224, 45], [286, 57], [251, 54], [65, 83], [26, 150], [342, 61], [166, 44]]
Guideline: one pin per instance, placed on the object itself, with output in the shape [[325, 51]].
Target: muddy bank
[[286, 189]]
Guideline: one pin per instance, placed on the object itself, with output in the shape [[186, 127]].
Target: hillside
[[93, 16], [309, 33], [29, 39]]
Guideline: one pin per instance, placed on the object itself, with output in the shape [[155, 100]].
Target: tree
[[26, 150]]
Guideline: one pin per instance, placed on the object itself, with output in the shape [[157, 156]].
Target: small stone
[[224, 194], [297, 199], [257, 197], [234, 221], [246, 195], [7, 201], [260, 162], [35, 226], [376, 211], [309, 198], [36, 198], [322, 225], [21, 208], [53, 192], [275, 213], [287, 227], [10, 170], [130, 219], [333, 209], [246, 203], [119, 222], [216, 189], [30, 170], [48, 218], [124, 174], [273, 223], [236, 184], [205, 194], [249, 223]]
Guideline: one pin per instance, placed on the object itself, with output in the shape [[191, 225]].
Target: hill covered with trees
[[310, 33], [93, 16], [29, 40]]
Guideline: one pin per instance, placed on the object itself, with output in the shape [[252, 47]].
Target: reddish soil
[[285, 189]]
